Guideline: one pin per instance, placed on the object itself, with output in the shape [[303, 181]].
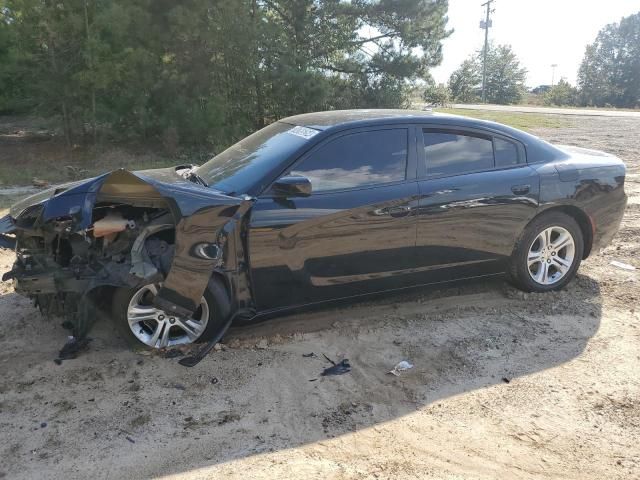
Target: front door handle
[[521, 189]]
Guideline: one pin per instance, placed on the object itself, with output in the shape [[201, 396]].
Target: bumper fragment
[[7, 227]]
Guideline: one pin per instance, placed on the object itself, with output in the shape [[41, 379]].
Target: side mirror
[[292, 186]]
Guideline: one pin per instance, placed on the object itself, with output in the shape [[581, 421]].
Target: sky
[[541, 32]]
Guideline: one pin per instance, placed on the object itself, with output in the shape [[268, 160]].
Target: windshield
[[239, 167]]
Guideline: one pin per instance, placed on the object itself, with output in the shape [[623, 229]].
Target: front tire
[[548, 253], [144, 326]]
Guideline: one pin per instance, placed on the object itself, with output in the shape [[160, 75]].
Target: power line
[[485, 24]]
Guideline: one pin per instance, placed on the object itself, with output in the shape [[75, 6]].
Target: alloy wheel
[[156, 328], [551, 255]]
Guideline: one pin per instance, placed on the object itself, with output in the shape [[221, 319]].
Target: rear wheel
[[144, 325], [549, 253]]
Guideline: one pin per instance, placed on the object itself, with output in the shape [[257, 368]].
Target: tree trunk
[[259, 87], [259, 101], [90, 60], [63, 101]]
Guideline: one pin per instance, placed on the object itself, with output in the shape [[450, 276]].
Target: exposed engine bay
[[59, 268], [125, 230]]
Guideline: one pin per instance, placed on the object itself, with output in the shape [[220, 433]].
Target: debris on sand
[[39, 183], [308, 355], [401, 367], [173, 353], [622, 265], [228, 417], [337, 368], [71, 349]]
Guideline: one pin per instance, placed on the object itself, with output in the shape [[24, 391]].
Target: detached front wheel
[[144, 325], [549, 253]]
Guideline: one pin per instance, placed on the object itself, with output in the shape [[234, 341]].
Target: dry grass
[[523, 121]]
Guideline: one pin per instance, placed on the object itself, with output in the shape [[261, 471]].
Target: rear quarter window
[[506, 153]]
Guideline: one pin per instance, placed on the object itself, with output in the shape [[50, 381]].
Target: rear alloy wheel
[[549, 253], [144, 325]]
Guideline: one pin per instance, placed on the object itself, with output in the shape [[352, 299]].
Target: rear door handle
[[521, 189], [398, 211]]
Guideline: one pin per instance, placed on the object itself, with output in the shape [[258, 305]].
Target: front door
[[354, 235]]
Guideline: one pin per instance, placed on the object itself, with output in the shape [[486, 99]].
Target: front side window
[[357, 159]]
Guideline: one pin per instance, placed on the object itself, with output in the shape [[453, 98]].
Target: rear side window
[[455, 153], [357, 159]]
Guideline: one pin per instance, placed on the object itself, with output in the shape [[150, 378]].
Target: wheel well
[[222, 278], [583, 221], [168, 235]]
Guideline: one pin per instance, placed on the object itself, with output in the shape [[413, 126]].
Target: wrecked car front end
[[125, 230]]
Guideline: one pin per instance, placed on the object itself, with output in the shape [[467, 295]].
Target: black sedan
[[313, 208]]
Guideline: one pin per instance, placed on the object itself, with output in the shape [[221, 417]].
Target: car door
[[353, 235], [476, 195]]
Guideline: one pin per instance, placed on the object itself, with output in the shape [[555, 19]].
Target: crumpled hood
[[20, 206], [203, 217], [78, 198], [166, 175]]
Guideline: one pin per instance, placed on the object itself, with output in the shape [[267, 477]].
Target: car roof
[[337, 119], [332, 118], [537, 149]]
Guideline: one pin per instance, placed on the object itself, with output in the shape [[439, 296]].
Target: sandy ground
[[505, 385]]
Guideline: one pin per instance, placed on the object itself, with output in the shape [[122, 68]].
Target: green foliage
[[205, 71], [563, 94], [466, 81], [437, 95], [11, 91], [505, 78], [610, 71]]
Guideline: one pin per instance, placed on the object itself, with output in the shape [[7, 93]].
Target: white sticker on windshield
[[303, 132]]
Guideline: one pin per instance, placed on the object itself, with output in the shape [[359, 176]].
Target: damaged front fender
[[63, 246]]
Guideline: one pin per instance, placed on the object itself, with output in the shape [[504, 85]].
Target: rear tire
[[548, 254]]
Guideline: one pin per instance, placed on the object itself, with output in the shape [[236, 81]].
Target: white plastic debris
[[401, 367], [622, 265]]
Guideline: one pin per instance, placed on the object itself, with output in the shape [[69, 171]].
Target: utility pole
[[553, 72], [485, 24]]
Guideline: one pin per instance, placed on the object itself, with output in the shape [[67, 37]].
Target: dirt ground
[[505, 384]]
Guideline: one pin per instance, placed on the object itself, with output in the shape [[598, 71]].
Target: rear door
[[354, 235], [476, 195]]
